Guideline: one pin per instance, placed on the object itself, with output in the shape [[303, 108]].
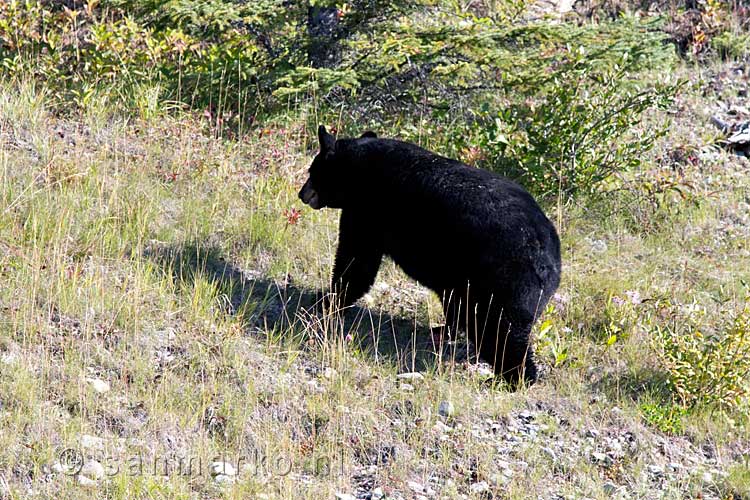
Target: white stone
[[655, 470], [222, 469], [599, 457], [92, 470], [92, 442], [345, 496], [479, 487], [224, 479], [410, 376], [482, 370], [415, 486], [86, 482], [598, 246], [98, 385]]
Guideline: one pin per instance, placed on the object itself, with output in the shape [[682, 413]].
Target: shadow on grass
[[296, 314], [645, 384]]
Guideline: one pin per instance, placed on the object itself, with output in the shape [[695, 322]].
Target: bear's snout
[[309, 196]]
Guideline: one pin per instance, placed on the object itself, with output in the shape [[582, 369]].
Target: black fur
[[471, 236]]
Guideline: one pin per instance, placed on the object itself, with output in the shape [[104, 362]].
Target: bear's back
[[436, 211]]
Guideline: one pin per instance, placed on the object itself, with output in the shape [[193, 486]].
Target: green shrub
[[731, 45], [558, 107], [706, 368], [577, 135], [666, 418]]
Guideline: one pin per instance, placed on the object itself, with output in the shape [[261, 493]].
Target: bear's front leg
[[504, 342], [358, 258]]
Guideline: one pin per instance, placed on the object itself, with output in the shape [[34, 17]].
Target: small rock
[[224, 479], [615, 448], [655, 470], [482, 370], [92, 470], [446, 409], [98, 385], [479, 487], [406, 387], [600, 458], [410, 376], [674, 466], [86, 482], [598, 246], [92, 442], [377, 493], [415, 486], [345, 496], [222, 468], [610, 488], [526, 416]]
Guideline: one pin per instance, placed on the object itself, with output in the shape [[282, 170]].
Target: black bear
[[478, 240]]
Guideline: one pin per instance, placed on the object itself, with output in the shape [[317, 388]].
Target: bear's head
[[326, 185]]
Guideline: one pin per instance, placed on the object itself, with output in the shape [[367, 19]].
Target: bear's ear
[[327, 141], [369, 134]]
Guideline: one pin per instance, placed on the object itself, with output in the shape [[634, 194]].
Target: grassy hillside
[[159, 336]]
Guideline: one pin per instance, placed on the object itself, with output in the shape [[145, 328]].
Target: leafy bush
[[731, 45], [557, 106], [707, 368], [666, 418], [576, 136]]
